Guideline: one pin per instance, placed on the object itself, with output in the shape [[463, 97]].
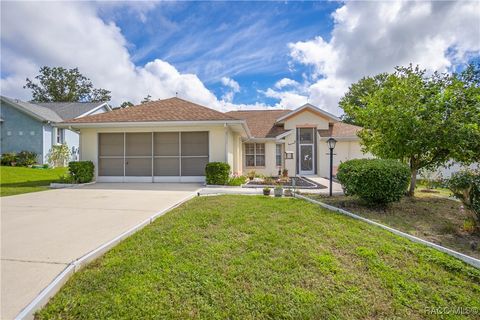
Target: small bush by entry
[[377, 181], [217, 173], [81, 171]]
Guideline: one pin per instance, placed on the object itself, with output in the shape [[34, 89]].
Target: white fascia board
[[283, 135], [147, 124], [94, 109], [309, 106]]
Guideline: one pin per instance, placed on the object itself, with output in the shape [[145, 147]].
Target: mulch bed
[[300, 182]]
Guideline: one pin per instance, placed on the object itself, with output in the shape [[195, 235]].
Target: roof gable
[[70, 110], [311, 108], [172, 109]]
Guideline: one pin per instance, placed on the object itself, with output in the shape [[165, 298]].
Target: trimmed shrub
[[217, 173], [376, 181], [26, 158], [9, 158], [236, 181], [81, 171], [465, 185]]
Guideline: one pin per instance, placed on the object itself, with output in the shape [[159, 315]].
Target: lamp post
[[331, 145]]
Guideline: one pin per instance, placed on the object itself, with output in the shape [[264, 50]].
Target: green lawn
[[16, 180], [253, 257], [427, 216]]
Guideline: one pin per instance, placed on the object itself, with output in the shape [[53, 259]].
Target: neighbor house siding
[[20, 131], [47, 141], [72, 139]]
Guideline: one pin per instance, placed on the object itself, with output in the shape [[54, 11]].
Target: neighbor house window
[[255, 154], [278, 155], [60, 135]]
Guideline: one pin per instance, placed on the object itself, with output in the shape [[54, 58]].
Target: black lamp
[[331, 145]]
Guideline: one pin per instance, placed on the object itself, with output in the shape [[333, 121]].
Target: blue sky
[[233, 55], [246, 41]]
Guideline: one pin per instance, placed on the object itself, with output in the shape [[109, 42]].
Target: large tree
[[57, 84], [424, 120], [357, 93]]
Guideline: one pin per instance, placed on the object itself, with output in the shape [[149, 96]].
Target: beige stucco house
[[172, 140]]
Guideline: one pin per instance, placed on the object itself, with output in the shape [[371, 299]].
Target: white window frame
[[255, 154], [279, 153], [60, 139]]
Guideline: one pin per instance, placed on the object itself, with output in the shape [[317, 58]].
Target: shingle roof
[[70, 110], [340, 129], [173, 109], [39, 112], [261, 122]]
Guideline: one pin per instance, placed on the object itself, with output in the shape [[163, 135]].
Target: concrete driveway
[[42, 232]]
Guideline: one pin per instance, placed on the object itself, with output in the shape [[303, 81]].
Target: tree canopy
[[148, 98], [424, 120], [57, 84], [126, 104]]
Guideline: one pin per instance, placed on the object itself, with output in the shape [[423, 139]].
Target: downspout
[[226, 142]]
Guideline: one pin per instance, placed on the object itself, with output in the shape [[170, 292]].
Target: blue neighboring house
[[33, 126]]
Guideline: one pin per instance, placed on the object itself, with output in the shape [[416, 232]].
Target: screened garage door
[[152, 156]]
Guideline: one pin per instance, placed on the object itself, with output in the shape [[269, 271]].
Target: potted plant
[[287, 192], [278, 191], [266, 191], [251, 175], [285, 173]]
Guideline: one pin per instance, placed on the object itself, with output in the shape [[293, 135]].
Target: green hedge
[[81, 171], [376, 181], [217, 173], [21, 159], [465, 185]]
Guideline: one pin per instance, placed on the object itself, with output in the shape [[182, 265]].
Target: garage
[[153, 156]]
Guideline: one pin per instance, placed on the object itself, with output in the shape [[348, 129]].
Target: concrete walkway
[[336, 187], [42, 232]]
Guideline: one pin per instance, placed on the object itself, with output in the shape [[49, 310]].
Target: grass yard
[[253, 257], [437, 191], [427, 216], [17, 180]]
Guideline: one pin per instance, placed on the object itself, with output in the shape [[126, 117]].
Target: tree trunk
[[413, 182]]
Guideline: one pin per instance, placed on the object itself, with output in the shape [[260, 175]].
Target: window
[[255, 154], [306, 135], [60, 135], [278, 155]]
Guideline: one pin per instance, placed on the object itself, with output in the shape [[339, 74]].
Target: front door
[[306, 156], [306, 159]]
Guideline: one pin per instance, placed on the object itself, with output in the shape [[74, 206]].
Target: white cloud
[[373, 37], [71, 35], [231, 83], [233, 86], [286, 82]]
